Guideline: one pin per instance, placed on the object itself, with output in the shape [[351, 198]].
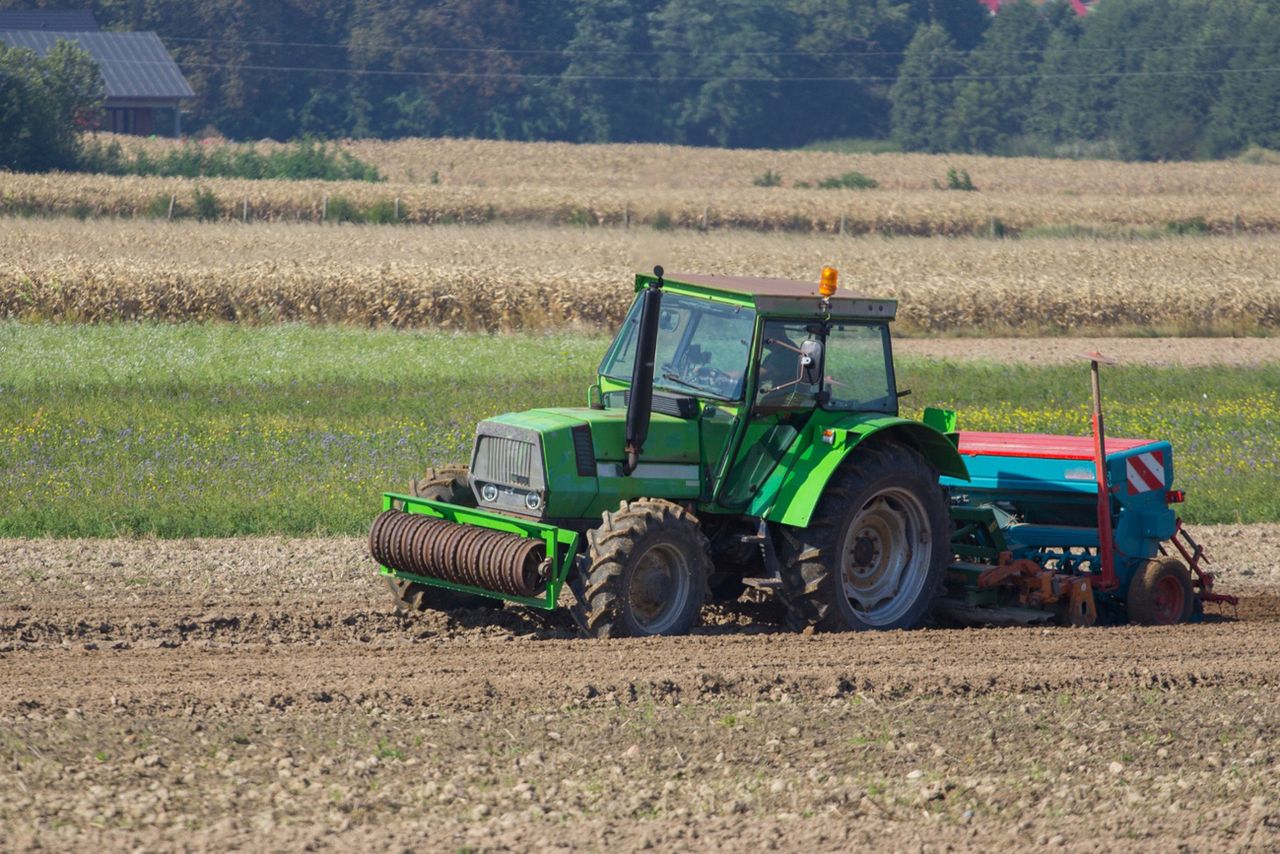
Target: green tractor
[[741, 432]]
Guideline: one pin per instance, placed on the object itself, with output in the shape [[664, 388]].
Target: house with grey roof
[[139, 76]]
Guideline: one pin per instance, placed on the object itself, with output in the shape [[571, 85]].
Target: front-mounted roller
[[466, 550]]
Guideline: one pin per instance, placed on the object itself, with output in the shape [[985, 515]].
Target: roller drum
[[461, 554]]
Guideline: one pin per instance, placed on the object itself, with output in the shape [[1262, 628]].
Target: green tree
[[992, 108], [859, 44], [721, 66], [963, 21], [1245, 110], [1106, 56], [608, 91], [45, 102], [1162, 106], [22, 109], [1054, 113], [924, 93]]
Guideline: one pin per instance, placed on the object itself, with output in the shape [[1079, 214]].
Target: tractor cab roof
[[776, 296]]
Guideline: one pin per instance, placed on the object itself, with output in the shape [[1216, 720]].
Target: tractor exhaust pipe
[[640, 404]]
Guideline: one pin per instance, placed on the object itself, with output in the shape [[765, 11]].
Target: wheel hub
[[1168, 601], [865, 551], [658, 588], [885, 556]]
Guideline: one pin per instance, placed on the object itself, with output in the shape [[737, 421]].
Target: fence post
[[173, 200], [397, 208], [626, 216], [842, 225], [244, 211], [324, 209], [704, 217]]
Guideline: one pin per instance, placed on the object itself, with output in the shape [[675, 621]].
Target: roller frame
[[562, 545]]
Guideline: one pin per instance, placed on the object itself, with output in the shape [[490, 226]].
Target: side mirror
[[811, 362]]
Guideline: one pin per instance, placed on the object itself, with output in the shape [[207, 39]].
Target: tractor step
[[763, 540]]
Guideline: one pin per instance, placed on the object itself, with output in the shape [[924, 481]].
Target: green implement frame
[[562, 545]]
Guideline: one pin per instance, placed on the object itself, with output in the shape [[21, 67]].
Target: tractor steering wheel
[[714, 379]]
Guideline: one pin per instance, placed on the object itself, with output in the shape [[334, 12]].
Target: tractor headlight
[[532, 500], [489, 492]]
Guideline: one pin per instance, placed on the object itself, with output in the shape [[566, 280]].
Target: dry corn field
[[474, 181], [501, 277]]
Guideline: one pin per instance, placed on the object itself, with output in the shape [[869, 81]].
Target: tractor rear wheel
[[1160, 593], [876, 548], [645, 572], [448, 484]]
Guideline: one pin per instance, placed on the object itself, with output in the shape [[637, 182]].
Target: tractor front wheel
[[449, 484], [1160, 593], [876, 547], [645, 572]]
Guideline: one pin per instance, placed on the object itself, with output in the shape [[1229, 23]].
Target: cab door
[[781, 400]]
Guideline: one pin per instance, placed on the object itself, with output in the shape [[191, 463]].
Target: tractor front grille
[[503, 460], [506, 469]]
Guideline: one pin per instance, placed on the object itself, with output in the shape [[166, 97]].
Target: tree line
[[1142, 79], [1138, 79]]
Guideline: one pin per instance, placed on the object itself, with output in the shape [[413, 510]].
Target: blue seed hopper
[[1031, 534]]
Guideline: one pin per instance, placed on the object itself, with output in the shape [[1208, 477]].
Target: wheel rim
[[1169, 600], [659, 588], [885, 556]]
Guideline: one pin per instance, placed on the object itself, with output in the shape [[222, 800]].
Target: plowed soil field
[[261, 694]]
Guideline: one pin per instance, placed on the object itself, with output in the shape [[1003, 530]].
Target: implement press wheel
[[1160, 594], [645, 572], [876, 548], [448, 484]]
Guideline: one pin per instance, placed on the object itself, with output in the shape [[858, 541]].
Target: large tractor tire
[[449, 484], [876, 548], [1160, 593], [645, 572]]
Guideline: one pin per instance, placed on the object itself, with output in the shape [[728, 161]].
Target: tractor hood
[[564, 463]]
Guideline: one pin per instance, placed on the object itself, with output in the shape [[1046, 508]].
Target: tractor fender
[[792, 492]]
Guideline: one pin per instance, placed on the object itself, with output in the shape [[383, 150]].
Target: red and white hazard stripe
[[1145, 472]]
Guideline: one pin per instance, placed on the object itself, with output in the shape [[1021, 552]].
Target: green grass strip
[[217, 430]]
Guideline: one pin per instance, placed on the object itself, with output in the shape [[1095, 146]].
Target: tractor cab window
[[790, 361], [845, 366], [703, 347], [859, 368]]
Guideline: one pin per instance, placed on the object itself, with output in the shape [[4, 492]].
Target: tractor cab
[[763, 344]]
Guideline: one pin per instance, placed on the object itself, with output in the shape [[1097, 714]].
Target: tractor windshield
[[702, 347]]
